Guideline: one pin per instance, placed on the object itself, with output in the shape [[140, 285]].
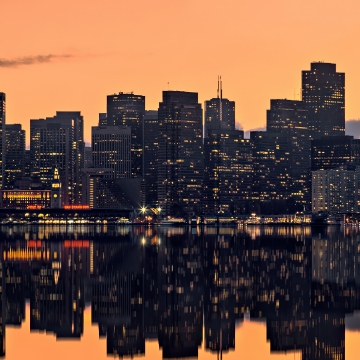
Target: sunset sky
[[70, 54]]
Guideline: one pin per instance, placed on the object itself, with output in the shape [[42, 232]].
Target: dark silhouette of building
[[128, 109], [58, 141], [272, 172], [323, 91], [228, 172], [151, 148], [15, 155], [180, 159], [290, 118], [2, 136], [330, 152], [219, 112]]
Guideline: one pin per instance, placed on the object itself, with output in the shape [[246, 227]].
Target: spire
[[218, 88]]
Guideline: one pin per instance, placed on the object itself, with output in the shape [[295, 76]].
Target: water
[[253, 293]]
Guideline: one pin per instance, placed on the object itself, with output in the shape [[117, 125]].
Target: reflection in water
[[183, 285]]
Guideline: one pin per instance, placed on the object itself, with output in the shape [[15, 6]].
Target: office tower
[[290, 118], [272, 178], [2, 137], [15, 155], [228, 172], [323, 91], [128, 109], [219, 112], [329, 152], [102, 119], [151, 147], [180, 159], [58, 142], [87, 157], [336, 190], [111, 149]]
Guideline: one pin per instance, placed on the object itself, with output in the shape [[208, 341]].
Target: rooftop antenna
[[168, 85], [218, 88]]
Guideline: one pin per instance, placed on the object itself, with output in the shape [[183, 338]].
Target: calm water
[[258, 293]]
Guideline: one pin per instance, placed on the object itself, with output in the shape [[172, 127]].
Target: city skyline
[[73, 64]]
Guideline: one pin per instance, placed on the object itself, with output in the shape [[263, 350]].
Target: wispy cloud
[[31, 60]]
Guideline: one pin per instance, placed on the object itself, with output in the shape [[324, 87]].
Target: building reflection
[[183, 285]]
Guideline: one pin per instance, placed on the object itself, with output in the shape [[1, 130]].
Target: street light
[[143, 210]]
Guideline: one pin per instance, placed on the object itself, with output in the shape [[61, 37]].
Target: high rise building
[[151, 147], [330, 152], [2, 137], [290, 118], [15, 154], [272, 177], [323, 91], [219, 112], [180, 159], [228, 172], [336, 190], [128, 109], [58, 142], [111, 149]]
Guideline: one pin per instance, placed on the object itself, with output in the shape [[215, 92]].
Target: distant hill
[[352, 127]]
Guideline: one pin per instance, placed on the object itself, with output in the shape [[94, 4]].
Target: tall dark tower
[[219, 112], [128, 109], [180, 154], [290, 118], [323, 91], [15, 154], [2, 137]]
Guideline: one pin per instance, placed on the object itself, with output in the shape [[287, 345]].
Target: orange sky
[[104, 46], [250, 340]]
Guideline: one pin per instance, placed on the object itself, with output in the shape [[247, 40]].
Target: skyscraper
[[180, 156], [111, 150], [323, 91], [228, 172], [128, 109], [58, 142], [291, 118], [151, 148], [15, 154], [2, 137], [219, 112]]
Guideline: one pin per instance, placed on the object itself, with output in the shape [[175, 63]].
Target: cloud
[[31, 60]]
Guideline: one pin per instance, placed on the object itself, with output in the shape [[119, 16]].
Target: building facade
[[15, 155], [290, 118], [323, 91], [336, 190], [180, 159], [128, 109], [2, 137], [219, 113], [111, 149], [58, 142]]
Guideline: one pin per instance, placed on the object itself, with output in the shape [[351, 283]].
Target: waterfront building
[[180, 159], [15, 155], [272, 172], [290, 118], [219, 112], [336, 190], [25, 199], [330, 152], [323, 91], [111, 149], [58, 141], [2, 137], [228, 172], [151, 148], [128, 109]]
